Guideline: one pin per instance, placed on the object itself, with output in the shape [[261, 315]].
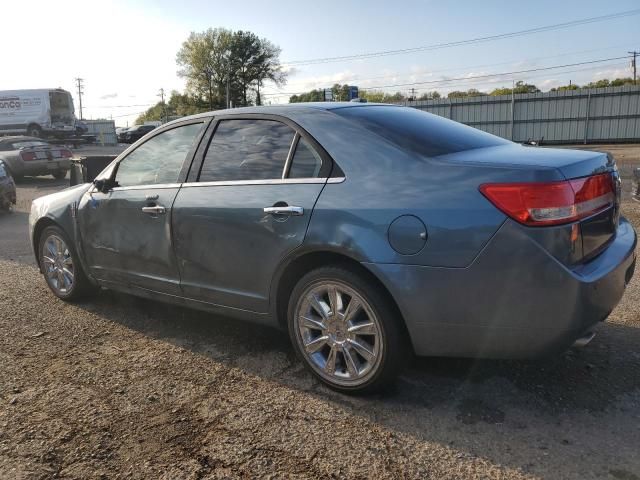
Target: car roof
[[284, 109]]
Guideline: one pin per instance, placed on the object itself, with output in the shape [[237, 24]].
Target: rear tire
[[346, 330], [59, 263], [60, 175]]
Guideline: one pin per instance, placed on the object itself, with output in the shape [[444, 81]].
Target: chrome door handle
[[156, 210], [284, 210]]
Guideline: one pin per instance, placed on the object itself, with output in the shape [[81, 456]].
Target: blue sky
[[125, 51]]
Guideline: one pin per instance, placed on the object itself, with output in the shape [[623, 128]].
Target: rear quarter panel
[[383, 182]]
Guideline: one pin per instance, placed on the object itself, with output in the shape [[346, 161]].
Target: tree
[[430, 96], [619, 82], [472, 92], [268, 67], [178, 105], [218, 60], [520, 87], [379, 96], [571, 86], [204, 61]]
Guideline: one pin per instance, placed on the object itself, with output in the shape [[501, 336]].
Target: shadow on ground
[[589, 379]]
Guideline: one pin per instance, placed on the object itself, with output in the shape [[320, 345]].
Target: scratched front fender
[[58, 207]]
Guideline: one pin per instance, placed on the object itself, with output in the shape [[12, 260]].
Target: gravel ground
[[119, 387]]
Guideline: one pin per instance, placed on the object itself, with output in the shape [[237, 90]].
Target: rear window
[[28, 144], [419, 132]]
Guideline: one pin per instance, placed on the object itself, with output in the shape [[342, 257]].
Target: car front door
[[246, 209], [126, 231]]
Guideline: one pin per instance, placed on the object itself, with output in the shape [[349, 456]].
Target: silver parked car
[[31, 156], [367, 231]]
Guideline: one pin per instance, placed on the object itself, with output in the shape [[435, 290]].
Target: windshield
[[417, 131]]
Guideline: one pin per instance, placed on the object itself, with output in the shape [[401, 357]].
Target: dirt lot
[[122, 388]]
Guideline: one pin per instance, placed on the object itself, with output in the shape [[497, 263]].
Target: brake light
[[552, 203], [28, 156], [65, 154]]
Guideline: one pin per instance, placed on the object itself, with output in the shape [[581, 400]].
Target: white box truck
[[37, 113]]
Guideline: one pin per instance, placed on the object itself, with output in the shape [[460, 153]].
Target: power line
[[129, 114], [475, 77], [489, 75], [122, 106], [497, 82], [395, 75], [471, 41]]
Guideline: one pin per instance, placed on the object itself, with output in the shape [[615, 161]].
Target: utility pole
[[413, 94], [79, 84], [164, 109], [633, 64]]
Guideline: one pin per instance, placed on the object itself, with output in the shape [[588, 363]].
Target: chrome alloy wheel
[[57, 264], [338, 333]]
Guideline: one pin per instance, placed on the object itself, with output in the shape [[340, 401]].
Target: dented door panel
[[127, 245]]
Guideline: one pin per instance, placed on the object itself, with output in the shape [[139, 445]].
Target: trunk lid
[[555, 164]]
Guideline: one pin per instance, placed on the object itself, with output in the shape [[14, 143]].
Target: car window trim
[[151, 186], [292, 150], [186, 165], [327, 169]]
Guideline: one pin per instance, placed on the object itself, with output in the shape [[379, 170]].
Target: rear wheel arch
[[297, 267], [39, 227]]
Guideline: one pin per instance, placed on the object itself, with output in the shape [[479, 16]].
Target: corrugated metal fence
[[104, 130], [593, 115]]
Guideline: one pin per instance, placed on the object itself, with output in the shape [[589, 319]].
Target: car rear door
[[247, 207], [126, 232]]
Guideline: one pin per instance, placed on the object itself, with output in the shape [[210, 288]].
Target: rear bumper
[[514, 301], [41, 167]]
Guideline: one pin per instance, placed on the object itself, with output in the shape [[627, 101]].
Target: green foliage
[[312, 96], [605, 82], [340, 92], [178, 105], [571, 86], [377, 96], [472, 92], [430, 96], [520, 87], [215, 58]]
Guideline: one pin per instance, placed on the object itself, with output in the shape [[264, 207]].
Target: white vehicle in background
[[37, 113]]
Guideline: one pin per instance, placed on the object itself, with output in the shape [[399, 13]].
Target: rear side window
[[306, 161], [159, 159], [247, 150], [419, 132]]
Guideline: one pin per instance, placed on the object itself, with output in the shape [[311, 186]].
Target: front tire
[[346, 330], [60, 266]]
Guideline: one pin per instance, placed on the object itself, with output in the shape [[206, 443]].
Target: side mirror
[[103, 185]]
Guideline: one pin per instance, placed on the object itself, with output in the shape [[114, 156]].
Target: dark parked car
[[134, 134], [7, 188], [368, 231], [31, 156]]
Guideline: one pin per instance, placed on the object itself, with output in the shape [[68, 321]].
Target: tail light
[[552, 203], [28, 156], [65, 153]]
